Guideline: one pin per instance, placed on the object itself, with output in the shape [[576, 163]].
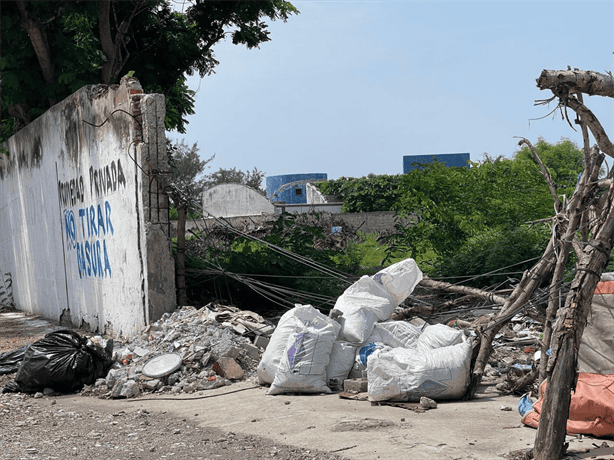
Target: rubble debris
[[228, 368], [355, 385], [427, 403], [187, 351]]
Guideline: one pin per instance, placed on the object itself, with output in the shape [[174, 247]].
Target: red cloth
[[591, 410]]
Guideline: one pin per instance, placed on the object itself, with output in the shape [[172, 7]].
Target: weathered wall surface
[[230, 200], [73, 226]]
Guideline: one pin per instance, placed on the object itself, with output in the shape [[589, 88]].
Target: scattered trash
[[427, 403], [506, 408], [162, 365], [525, 404], [63, 361], [10, 360], [591, 410]]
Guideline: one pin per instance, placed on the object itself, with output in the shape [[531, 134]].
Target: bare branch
[[603, 141], [428, 282], [545, 172]]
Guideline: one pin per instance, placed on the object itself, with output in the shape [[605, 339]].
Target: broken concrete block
[[116, 375], [250, 350], [228, 368], [129, 389], [140, 351], [151, 385], [427, 403], [174, 378], [355, 385], [117, 388], [261, 341]]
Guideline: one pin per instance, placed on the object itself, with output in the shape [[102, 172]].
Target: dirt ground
[[242, 422]]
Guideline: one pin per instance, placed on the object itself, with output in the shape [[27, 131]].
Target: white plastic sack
[[405, 374], [438, 336], [341, 363], [395, 334], [363, 304], [299, 316], [400, 279], [302, 368]]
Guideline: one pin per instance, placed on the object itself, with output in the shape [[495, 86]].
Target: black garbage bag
[[62, 361], [10, 360]]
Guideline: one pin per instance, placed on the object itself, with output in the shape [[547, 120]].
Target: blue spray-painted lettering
[[100, 221], [92, 253], [69, 225], [90, 262], [82, 214], [107, 264], [94, 227], [107, 208]]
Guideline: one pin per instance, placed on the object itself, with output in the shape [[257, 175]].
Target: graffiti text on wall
[[89, 228], [103, 181], [106, 179], [71, 192], [88, 232]]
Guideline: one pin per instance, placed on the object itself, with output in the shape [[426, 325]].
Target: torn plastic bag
[[62, 361], [10, 360]]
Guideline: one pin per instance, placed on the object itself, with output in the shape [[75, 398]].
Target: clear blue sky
[[348, 88]]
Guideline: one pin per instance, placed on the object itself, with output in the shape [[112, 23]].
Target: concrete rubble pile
[[211, 344]]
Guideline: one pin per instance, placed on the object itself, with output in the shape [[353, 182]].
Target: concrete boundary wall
[[366, 222], [84, 231]]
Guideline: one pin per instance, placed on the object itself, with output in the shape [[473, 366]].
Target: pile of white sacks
[[312, 353]]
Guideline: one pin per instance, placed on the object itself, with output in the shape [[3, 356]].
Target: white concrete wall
[[333, 208], [72, 229], [314, 196], [230, 200]]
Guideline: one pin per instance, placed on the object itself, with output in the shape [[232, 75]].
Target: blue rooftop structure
[[290, 188], [450, 159]]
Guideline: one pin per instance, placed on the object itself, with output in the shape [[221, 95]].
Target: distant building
[[290, 188], [450, 159], [230, 200]]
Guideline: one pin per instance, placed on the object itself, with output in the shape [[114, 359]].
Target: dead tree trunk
[[594, 256], [549, 443], [583, 81]]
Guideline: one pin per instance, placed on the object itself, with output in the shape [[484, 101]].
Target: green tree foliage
[[564, 160], [490, 250], [251, 178], [53, 48], [187, 175], [460, 212], [365, 194], [187, 169]]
